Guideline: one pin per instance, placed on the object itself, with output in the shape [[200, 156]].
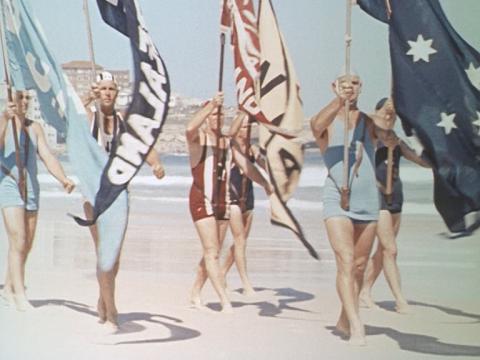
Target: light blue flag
[[32, 66]]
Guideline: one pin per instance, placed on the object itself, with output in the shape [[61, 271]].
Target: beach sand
[[291, 317]]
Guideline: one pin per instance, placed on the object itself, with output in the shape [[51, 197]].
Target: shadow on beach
[[282, 300], [390, 306], [130, 322], [423, 344], [417, 343]]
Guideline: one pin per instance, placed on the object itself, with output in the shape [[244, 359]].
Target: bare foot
[[197, 304], [357, 341], [196, 301], [357, 336], [366, 301], [112, 321], [403, 308], [102, 316], [343, 327], [22, 303], [227, 308], [249, 291], [111, 327], [7, 298]]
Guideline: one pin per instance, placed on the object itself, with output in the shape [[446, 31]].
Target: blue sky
[[186, 34]]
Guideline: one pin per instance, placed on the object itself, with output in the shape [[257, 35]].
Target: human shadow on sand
[[286, 296], [130, 322], [417, 343], [390, 306], [423, 344]]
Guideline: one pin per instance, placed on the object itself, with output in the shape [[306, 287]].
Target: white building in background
[[79, 73], [34, 113]]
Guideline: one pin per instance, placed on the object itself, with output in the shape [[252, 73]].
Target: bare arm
[[153, 159], [51, 162], [90, 97], [259, 159], [322, 121], [7, 114], [236, 123], [410, 154], [200, 116]]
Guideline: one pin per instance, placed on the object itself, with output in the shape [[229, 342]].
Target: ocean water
[[174, 188]]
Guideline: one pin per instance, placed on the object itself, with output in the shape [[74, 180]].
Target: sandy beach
[[290, 317]]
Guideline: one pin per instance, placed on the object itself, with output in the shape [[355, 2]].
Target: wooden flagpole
[[22, 183], [93, 64], [243, 198], [388, 190], [219, 163], [345, 190]]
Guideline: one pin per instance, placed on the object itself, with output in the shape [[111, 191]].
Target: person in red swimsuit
[[210, 159]]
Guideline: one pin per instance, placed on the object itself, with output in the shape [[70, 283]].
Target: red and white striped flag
[[239, 17]]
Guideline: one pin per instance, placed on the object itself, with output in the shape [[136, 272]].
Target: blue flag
[[32, 66], [147, 111], [436, 91]]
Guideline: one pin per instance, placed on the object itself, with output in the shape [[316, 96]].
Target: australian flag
[[436, 91]]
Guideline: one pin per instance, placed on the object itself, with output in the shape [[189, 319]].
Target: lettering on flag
[[280, 103], [33, 66], [147, 111]]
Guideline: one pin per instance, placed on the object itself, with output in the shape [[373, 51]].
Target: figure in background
[[241, 202], [385, 256], [106, 127], [351, 232], [20, 189]]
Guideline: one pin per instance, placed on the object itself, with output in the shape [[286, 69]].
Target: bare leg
[[387, 231], [340, 234], [374, 268], [200, 279], [202, 274], [210, 236], [107, 309], [237, 226], [352, 245], [15, 224], [364, 235], [101, 278]]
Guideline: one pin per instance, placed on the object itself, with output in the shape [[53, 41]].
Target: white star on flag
[[473, 74], [421, 49], [447, 122]]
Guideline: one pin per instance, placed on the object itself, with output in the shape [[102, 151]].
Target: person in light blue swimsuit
[[350, 231], [19, 189]]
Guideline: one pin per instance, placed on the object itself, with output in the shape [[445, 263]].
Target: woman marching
[[210, 159], [241, 202], [387, 163], [350, 229], [20, 141]]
